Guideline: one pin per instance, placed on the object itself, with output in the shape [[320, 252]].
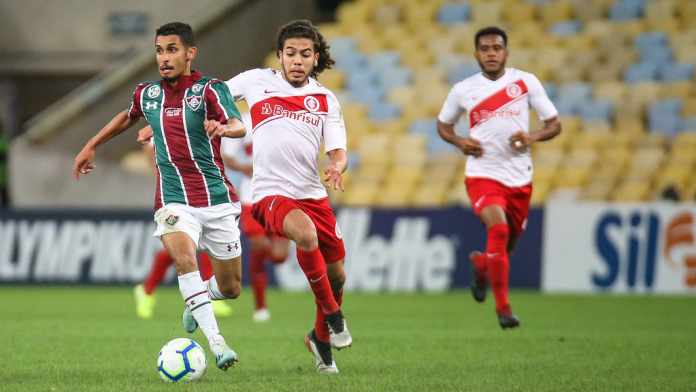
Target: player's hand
[[520, 141], [234, 128], [84, 162], [333, 178], [144, 135], [470, 146]]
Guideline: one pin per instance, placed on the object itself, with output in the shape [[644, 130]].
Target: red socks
[[204, 266], [259, 280], [498, 265], [314, 267], [321, 329], [159, 268]]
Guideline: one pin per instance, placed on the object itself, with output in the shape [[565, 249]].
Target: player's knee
[[185, 263], [279, 256], [307, 240], [337, 281], [231, 291]]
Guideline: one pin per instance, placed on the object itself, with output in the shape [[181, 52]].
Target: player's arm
[[84, 161], [235, 165], [449, 115], [539, 100], [467, 145], [338, 163], [222, 116]]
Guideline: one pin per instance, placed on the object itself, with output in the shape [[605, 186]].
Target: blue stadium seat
[[566, 28], [383, 62], [384, 111], [676, 72], [461, 72], [599, 110], [424, 127], [689, 124], [575, 91], [341, 46], [350, 62], [664, 116], [360, 80], [437, 145], [656, 54], [626, 9], [568, 106], [641, 72], [551, 90], [396, 77], [452, 13], [372, 95], [650, 40]]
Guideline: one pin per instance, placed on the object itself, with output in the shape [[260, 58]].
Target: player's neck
[[175, 82], [494, 75]]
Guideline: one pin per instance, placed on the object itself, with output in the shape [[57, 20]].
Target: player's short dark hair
[[490, 30], [305, 29], [183, 30]]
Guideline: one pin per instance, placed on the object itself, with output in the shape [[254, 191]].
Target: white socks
[[197, 300], [214, 290]]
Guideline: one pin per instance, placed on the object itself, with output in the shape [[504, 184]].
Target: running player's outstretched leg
[[220, 308], [257, 276], [497, 262], [199, 310]]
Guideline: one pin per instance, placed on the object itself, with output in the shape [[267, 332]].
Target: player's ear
[[191, 53], [316, 59]]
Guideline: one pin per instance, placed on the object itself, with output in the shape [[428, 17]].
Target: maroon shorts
[[250, 226], [484, 192], [271, 211]]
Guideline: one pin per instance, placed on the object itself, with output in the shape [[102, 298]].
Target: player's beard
[[498, 72]]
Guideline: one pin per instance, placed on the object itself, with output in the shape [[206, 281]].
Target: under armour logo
[[150, 105], [236, 246]]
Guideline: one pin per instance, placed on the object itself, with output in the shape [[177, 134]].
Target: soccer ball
[[181, 360]]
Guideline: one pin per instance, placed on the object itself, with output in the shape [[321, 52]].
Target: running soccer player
[[292, 114], [195, 204], [499, 166], [237, 155], [144, 293]]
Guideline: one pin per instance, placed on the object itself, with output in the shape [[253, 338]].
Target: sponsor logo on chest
[[172, 112]]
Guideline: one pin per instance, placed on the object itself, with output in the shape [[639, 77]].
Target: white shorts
[[214, 229]]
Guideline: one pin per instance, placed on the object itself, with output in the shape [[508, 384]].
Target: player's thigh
[[299, 227], [493, 214], [220, 235], [179, 232], [328, 232]]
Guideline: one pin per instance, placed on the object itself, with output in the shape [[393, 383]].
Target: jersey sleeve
[[219, 103], [239, 85], [335, 127], [538, 99], [134, 109], [452, 108]]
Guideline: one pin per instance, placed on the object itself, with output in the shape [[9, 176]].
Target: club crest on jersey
[[197, 88], [171, 220], [154, 91], [194, 102], [513, 90], [311, 103]]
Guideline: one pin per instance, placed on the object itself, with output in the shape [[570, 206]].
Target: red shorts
[[484, 192], [250, 226], [271, 211]]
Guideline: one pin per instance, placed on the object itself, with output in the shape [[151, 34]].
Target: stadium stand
[[621, 73]]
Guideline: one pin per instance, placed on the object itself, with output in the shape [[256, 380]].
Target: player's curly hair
[[304, 28]]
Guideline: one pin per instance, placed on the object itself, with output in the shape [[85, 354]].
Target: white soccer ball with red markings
[[181, 360]]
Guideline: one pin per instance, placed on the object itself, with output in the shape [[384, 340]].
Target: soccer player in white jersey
[[499, 163], [237, 155], [196, 206], [292, 115]]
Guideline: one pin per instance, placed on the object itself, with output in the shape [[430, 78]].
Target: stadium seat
[[452, 13], [626, 10]]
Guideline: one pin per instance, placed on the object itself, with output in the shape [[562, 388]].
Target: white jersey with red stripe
[[496, 109], [241, 150], [289, 125]]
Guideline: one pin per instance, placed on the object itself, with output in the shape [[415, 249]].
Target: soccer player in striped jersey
[[499, 163], [196, 206]]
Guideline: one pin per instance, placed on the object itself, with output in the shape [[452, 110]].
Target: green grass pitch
[[88, 339]]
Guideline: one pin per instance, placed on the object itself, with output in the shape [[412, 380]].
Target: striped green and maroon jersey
[[189, 166]]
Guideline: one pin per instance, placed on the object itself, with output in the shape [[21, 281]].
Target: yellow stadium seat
[[333, 79], [644, 92], [359, 197], [540, 193], [596, 126], [630, 28], [556, 11], [572, 177], [614, 91], [596, 191], [660, 10], [629, 123], [391, 128], [680, 90], [592, 140], [685, 138], [631, 191], [429, 196], [402, 96], [581, 157], [689, 108]]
